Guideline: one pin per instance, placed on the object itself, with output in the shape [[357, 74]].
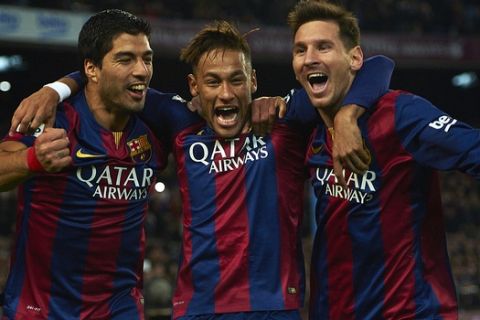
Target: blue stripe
[[427, 305], [67, 273], [263, 214], [367, 248], [128, 260], [319, 307], [205, 269], [16, 278]]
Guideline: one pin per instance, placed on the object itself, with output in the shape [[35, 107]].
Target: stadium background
[[435, 43]]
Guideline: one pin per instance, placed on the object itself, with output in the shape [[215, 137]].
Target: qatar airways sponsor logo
[[220, 159], [116, 182], [360, 188]]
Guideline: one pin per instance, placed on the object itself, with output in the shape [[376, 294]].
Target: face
[[322, 64], [224, 83], [125, 73]]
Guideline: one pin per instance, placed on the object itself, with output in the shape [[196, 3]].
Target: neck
[[110, 118], [328, 115]]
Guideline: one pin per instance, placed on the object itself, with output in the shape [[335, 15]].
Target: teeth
[[316, 75], [138, 87]]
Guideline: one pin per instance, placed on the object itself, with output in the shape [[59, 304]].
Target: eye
[[298, 50], [324, 46], [212, 82], [148, 60], [237, 81], [124, 60]]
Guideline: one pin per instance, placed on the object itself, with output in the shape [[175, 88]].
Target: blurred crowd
[[461, 200], [405, 16]]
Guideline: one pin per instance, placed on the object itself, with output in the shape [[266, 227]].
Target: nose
[[311, 57], [142, 69], [226, 92]]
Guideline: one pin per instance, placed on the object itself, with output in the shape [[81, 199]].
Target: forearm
[[13, 168]]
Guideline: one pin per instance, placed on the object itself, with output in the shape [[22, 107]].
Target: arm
[[18, 162], [435, 139], [40, 107], [371, 82], [264, 113]]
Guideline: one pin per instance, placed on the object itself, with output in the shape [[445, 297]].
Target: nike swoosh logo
[[316, 150], [82, 155]]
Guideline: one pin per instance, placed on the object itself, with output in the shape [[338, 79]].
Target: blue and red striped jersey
[[79, 249], [380, 250], [242, 204]]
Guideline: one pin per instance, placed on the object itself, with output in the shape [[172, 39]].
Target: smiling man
[[380, 249], [225, 108], [84, 186]]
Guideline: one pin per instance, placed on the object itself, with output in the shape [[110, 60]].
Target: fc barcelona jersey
[[80, 239], [380, 250]]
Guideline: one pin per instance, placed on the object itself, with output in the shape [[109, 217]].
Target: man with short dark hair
[[379, 250], [84, 186]]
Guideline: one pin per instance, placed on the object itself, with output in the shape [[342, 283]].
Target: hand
[[40, 107], [264, 113], [348, 147], [194, 105], [51, 148]]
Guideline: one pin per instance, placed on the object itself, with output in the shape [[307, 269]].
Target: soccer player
[[242, 193], [84, 186], [379, 249]]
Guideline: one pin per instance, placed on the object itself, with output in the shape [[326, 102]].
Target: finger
[[50, 134], [58, 164], [49, 122], [282, 108], [272, 117], [365, 155], [338, 171], [14, 124], [36, 121], [255, 117], [23, 124]]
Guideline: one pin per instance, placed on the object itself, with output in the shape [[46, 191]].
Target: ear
[[254, 81], [193, 85], [90, 70], [356, 58]]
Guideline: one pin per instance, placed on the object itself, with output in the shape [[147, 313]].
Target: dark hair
[[321, 10], [218, 35], [97, 34]]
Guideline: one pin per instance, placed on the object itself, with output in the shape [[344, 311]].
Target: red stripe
[[341, 297], [41, 231], [184, 284], [396, 214], [291, 176], [105, 230], [340, 263], [100, 262], [434, 257], [232, 234]]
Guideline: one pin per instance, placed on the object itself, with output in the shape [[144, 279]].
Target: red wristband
[[32, 161]]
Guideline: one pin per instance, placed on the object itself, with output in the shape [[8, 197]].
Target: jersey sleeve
[[371, 82], [434, 138], [166, 114], [77, 76]]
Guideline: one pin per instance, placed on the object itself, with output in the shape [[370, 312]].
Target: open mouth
[[137, 89], [317, 80], [226, 115]]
